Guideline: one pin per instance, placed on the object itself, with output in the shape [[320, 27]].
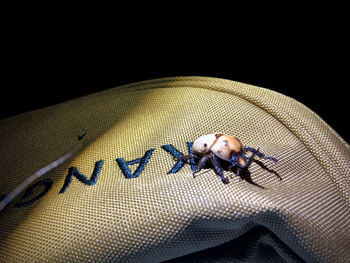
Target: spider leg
[[201, 164], [241, 167], [218, 168], [260, 154], [250, 160], [189, 156], [235, 162]]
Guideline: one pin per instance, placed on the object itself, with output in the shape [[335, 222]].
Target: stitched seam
[[209, 87], [203, 84]]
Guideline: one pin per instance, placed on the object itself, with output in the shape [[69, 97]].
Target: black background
[[49, 65]]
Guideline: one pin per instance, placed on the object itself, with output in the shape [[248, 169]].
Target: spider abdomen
[[222, 145]]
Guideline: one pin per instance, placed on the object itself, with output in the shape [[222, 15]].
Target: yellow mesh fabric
[[158, 216]]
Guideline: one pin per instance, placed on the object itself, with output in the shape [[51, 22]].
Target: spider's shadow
[[244, 174], [263, 166]]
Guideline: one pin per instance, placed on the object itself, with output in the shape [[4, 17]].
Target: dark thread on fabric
[[30, 191], [124, 165], [81, 134], [73, 171], [178, 155]]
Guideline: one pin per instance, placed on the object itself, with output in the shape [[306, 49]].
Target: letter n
[[73, 171]]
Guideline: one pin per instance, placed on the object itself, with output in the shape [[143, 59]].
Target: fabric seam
[[151, 85]]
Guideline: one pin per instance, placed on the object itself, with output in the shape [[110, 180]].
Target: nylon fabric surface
[[156, 217]]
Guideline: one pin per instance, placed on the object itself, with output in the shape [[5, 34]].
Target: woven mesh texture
[[158, 216]]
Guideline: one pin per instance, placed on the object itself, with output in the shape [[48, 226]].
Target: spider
[[217, 146]]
